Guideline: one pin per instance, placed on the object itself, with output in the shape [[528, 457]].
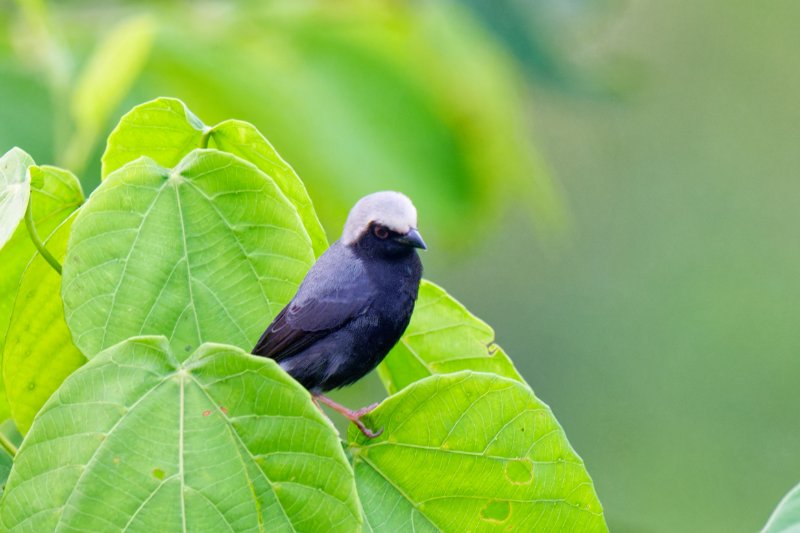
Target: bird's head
[[383, 223]]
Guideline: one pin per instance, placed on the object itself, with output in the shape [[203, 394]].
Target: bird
[[354, 303]]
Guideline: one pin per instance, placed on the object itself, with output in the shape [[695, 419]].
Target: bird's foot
[[353, 416], [366, 410]]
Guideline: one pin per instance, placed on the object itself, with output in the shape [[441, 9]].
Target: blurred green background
[[637, 252]]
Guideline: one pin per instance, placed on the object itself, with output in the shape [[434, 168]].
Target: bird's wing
[[335, 291]]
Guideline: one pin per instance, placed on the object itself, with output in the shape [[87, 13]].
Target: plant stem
[[205, 137], [37, 242], [8, 445]]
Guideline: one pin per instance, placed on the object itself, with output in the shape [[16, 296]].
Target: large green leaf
[[207, 252], [38, 353], [165, 130], [14, 191], [471, 452], [442, 337], [786, 517], [138, 441], [55, 193], [244, 140]]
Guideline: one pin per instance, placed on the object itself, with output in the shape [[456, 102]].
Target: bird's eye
[[380, 232]]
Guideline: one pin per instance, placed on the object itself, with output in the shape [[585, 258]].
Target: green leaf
[[471, 452], [14, 195], [442, 337], [135, 440], [104, 82], [207, 252], [243, 139], [38, 353], [55, 193], [786, 517], [14, 191], [165, 130]]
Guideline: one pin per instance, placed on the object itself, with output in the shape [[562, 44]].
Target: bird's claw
[[366, 431], [355, 418]]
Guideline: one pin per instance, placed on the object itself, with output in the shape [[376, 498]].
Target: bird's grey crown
[[388, 208]]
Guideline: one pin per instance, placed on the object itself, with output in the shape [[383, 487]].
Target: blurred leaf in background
[[82, 99], [362, 95], [543, 35], [103, 82]]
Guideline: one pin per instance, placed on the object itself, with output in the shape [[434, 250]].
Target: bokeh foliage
[[414, 97]]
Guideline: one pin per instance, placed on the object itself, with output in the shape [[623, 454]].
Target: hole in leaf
[[496, 511], [519, 471]]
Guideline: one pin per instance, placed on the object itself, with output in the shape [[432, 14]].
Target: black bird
[[354, 304]]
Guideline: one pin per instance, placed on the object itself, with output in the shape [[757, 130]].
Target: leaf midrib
[[189, 277], [242, 446]]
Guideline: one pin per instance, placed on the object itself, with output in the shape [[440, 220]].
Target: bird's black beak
[[412, 238]]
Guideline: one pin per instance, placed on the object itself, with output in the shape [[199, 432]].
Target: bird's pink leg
[[353, 416]]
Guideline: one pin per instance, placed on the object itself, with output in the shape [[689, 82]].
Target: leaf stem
[[206, 136], [8, 445], [37, 242]]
